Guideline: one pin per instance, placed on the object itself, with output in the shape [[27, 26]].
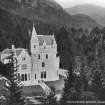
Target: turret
[[54, 42], [34, 41]]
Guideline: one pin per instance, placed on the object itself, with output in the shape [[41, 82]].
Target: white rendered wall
[[27, 71], [51, 65]]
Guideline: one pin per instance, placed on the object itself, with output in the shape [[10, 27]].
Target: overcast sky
[[70, 3]]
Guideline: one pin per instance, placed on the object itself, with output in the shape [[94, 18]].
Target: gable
[[24, 54], [47, 38]]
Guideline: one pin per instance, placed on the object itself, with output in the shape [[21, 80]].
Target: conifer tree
[[97, 86], [72, 89], [3, 69], [14, 96]]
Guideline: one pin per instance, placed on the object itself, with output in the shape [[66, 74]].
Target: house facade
[[39, 63]]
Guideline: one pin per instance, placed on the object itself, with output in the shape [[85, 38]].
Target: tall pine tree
[[97, 86], [14, 96], [72, 89]]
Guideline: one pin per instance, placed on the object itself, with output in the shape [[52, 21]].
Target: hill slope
[[95, 12], [47, 11], [16, 20]]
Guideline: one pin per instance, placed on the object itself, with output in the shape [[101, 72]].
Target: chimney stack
[[13, 47]]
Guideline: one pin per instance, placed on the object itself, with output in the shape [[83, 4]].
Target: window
[[18, 76], [46, 56], [43, 74], [34, 46], [44, 47], [25, 77], [23, 58], [35, 76], [22, 77], [38, 56], [57, 73], [43, 64], [24, 67]]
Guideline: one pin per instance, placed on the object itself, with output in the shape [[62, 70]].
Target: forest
[[82, 53]]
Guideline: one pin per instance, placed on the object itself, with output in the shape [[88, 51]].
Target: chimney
[[13, 47]]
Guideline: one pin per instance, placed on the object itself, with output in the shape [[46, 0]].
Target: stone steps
[[45, 87]]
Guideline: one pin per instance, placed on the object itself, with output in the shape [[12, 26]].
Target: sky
[[71, 3]]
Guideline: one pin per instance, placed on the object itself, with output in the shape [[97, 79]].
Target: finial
[[34, 31]]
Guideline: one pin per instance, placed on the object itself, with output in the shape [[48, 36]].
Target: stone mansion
[[42, 64]]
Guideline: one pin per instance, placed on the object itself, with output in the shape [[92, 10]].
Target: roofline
[[45, 35]]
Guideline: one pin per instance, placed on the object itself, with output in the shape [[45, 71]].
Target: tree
[[85, 84], [14, 96], [66, 52], [97, 86], [72, 89], [50, 99], [4, 70]]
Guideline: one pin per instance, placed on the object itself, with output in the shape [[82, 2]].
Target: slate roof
[[47, 38], [8, 51]]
